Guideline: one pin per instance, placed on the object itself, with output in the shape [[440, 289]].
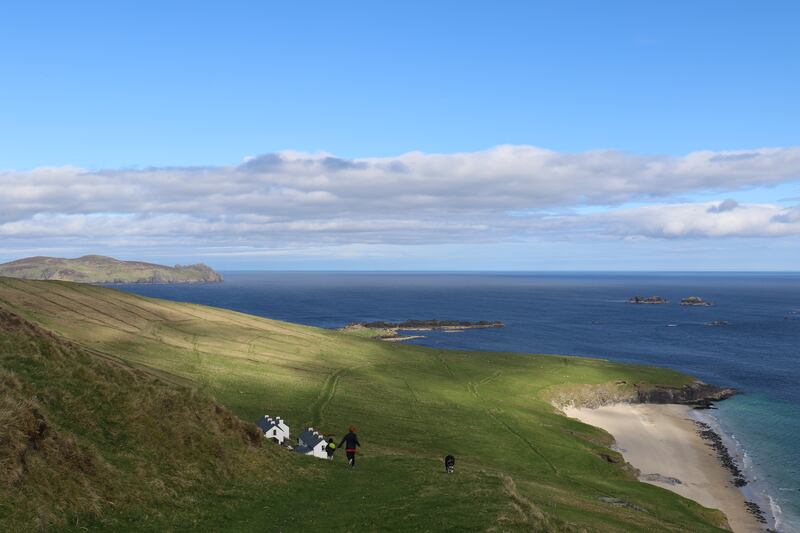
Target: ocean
[[586, 314]]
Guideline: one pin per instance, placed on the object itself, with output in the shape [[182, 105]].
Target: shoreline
[[756, 489], [672, 449]]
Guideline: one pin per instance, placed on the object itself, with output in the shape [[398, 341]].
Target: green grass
[[521, 465]]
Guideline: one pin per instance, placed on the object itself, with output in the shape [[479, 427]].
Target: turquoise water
[[585, 314], [764, 432]]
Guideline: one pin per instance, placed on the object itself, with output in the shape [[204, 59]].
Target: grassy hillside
[[101, 269], [521, 466], [83, 435]]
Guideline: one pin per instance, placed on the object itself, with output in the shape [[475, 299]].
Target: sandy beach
[[661, 441]]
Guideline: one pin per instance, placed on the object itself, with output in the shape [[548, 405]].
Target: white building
[[312, 443], [274, 428]]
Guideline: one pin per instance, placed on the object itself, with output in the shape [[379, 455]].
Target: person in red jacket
[[350, 442]]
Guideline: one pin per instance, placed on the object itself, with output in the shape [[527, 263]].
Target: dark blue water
[[583, 314]]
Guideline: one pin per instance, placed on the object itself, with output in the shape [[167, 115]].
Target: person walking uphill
[[350, 442]]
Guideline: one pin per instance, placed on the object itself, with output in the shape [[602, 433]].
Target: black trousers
[[351, 458]]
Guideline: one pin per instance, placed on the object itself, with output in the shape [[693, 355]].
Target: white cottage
[[312, 443], [274, 428]]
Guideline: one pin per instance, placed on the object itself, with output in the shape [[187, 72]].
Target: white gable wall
[[276, 433], [282, 425], [319, 450], [279, 431]]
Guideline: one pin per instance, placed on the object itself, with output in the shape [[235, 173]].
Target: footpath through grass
[[520, 465]]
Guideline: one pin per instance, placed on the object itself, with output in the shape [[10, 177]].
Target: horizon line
[[509, 271]]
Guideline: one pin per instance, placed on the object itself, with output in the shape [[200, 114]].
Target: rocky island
[[695, 301], [98, 269], [653, 300], [427, 325], [389, 331]]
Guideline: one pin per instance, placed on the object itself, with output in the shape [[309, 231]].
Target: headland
[[98, 269]]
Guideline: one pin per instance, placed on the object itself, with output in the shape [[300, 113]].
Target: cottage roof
[[310, 438], [266, 423], [302, 449]]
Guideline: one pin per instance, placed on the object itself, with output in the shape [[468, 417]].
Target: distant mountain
[[101, 269]]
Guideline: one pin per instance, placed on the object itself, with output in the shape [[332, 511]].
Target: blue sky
[[105, 92]]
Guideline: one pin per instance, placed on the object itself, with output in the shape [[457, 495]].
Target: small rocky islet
[[390, 331], [648, 300], [660, 300], [695, 301], [426, 325]]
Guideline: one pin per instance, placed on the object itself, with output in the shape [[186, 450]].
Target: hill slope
[[521, 465], [83, 434], [100, 269]]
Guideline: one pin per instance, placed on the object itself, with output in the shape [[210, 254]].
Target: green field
[[141, 379]]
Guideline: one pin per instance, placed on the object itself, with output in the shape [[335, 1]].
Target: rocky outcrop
[[695, 301], [652, 300], [390, 331], [696, 393], [431, 324], [714, 440]]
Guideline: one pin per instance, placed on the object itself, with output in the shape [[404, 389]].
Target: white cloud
[[721, 219], [293, 199]]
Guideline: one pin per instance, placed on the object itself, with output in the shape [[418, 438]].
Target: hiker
[[330, 448], [350, 441]]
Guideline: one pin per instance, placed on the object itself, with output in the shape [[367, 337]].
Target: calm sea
[[758, 352]]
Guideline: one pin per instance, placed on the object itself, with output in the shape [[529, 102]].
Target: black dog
[[449, 464]]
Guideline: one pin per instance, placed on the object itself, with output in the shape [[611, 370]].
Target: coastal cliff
[[696, 393], [693, 393], [98, 269]]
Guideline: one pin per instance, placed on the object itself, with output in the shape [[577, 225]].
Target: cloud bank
[[726, 218], [292, 199]]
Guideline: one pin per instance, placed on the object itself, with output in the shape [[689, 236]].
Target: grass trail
[[325, 396]]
